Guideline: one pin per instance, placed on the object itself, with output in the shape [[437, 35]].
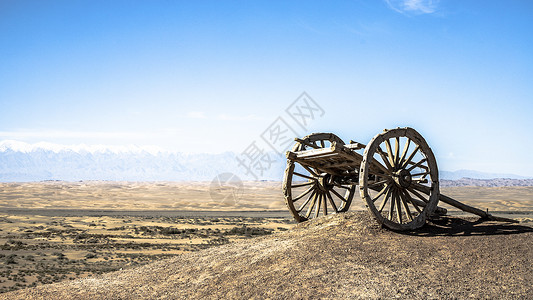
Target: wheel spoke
[[398, 207], [394, 163], [406, 207], [302, 184], [422, 188], [423, 174], [304, 176], [331, 201], [384, 157], [325, 204], [338, 195], [397, 152], [310, 209], [303, 194], [418, 194], [417, 164], [379, 183], [306, 201], [405, 149], [341, 186], [305, 198], [389, 152], [318, 205], [419, 180], [310, 170], [383, 190], [408, 197], [384, 202], [379, 172], [391, 209], [410, 156]]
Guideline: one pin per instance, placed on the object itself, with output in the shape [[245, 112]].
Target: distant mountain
[[36, 162], [21, 161], [495, 182], [476, 175]]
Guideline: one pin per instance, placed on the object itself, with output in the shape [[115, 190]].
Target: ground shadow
[[455, 226]]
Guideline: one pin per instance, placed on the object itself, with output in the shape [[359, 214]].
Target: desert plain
[[55, 231]]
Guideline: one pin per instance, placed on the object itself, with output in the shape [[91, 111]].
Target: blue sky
[[210, 76]]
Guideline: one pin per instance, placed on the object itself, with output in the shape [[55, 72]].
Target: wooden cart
[[396, 172]]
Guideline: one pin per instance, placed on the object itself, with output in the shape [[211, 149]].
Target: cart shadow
[[454, 226]]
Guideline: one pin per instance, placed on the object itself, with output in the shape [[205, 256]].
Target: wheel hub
[[403, 178], [324, 181]]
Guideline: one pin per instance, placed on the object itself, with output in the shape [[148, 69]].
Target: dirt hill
[[339, 256]]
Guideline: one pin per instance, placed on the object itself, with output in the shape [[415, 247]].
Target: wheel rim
[[310, 192], [399, 179]]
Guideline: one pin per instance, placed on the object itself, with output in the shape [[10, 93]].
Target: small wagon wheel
[[397, 172], [311, 192]]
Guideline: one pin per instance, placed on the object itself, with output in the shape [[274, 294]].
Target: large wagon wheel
[[395, 180], [311, 192]]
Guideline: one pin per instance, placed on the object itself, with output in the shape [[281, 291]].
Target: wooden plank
[[320, 168], [306, 143], [355, 146], [313, 152]]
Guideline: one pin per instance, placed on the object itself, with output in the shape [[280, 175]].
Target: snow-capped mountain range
[[20, 161], [17, 146]]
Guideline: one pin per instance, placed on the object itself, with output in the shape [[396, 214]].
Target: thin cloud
[[226, 117], [196, 115], [223, 116], [413, 6]]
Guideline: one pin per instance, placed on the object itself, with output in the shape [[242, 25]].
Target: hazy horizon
[[212, 76]]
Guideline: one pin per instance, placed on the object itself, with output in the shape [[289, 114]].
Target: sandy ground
[[141, 195], [338, 257], [44, 246], [53, 231], [205, 196]]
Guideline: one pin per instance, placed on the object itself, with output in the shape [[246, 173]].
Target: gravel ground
[[340, 256]]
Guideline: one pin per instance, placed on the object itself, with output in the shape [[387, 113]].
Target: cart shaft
[[468, 208]]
